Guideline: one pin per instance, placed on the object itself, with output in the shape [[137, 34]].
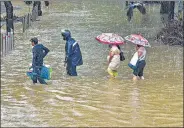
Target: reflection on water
[[91, 99]]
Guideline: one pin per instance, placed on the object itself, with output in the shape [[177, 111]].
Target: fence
[[26, 22], [27, 19], [7, 43], [7, 40]]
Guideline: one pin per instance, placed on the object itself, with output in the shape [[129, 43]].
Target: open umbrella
[[138, 39], [110, 38]]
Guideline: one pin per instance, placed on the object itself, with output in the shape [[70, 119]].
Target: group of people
[[73, 58], [137, 62]]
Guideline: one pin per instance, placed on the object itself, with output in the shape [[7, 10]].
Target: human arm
[[46, 50]]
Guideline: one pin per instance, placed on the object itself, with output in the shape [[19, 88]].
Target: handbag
[[122, 58]]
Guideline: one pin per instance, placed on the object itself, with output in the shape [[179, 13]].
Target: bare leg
[[135, 78]]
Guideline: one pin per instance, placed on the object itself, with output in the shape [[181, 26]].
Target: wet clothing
[[39, 52], [115, 62], [140, 67], [73, 56], [71, 70], [37, 75], [111, 72], [143, 56]]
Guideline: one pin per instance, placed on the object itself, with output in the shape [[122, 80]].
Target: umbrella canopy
[[110, 38], [138, 39]]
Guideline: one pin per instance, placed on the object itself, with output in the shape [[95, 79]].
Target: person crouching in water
[[114, 61], [140, 63], [73, 56]]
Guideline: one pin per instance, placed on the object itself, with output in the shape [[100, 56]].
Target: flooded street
[[91, 99]]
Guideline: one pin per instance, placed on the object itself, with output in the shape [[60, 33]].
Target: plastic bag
[[46, 72], [133, 62]]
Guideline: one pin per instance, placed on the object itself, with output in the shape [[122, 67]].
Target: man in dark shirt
[[39, 52]]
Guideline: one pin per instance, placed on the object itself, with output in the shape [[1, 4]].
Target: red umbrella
[[110, 38], [138, 39]]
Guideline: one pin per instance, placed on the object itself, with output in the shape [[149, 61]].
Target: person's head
[[34, 41], [139, 45], [110, 45], [65, 34], [115, 50]]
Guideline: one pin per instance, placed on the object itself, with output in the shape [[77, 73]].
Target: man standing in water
[[39, 52], [73, 56]]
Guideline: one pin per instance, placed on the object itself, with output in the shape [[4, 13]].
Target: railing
[[27, 19], [26, 22], [7, 40], [7, 43]]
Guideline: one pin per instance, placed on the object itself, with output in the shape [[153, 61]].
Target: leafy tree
[[167, 7]]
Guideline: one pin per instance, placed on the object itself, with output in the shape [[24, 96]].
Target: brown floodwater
[[91, 99]]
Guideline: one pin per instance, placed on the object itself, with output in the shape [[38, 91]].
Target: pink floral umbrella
[[138, 39], [110, 38]]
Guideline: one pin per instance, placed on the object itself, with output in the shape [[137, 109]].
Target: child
[[114, 61]]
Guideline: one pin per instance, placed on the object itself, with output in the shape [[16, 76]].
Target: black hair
[[34, 40], [139, 45]]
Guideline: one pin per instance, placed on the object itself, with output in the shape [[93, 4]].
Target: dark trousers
[[71, 69], [140, 67], [37, 75]]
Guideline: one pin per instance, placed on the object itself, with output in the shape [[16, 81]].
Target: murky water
[[91, 99]]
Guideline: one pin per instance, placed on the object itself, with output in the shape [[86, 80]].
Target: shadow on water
[[91, 99]]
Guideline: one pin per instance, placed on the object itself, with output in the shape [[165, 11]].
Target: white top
[[115, 62]]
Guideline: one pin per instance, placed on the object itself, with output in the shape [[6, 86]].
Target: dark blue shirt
[[39, 52]]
